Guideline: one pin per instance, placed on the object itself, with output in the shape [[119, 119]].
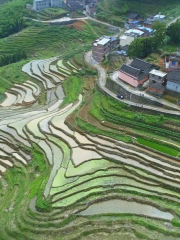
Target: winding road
[[68, 19]]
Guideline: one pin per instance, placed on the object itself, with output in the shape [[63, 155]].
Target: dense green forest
[[11, 17], [3, 1]]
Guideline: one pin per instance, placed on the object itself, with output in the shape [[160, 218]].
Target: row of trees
[[7, 59], [173, 32]]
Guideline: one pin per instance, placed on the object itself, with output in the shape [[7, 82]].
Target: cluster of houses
[[70, 5], [139, 71], [138, 27], [134, 20], [92, 7]]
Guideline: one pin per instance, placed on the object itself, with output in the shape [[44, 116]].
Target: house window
[[154, 81], [173, 63], [159, 77], [179, 63]]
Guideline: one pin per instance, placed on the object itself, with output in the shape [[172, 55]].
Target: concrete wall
[[56, 3], [117, 89], [40, 5], [127, 41], [130, 80], [99, 51], [158, 81], [173, 86]]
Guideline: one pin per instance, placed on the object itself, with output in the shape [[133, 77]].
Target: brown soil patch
[[79, 25], [161, 64]]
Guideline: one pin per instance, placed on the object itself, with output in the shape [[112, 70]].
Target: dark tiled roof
[[134, 72], [133, 15], [174, 76], [140, 64], [74, 4], [147, 22]]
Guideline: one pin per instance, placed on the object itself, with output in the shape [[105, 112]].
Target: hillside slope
[[116, 11]]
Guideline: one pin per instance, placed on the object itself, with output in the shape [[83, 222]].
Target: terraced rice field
[[60, 182]]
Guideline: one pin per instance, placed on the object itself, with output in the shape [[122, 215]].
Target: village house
[[81, 2], [39, 5], [159, 17], [136, 73], [131, 34], [92, 1], [114, 42], [148, 32], [102, 47], [157, 82], [57, 3], [91, 8], [173, 63], [133, 17], [150, 20], [125, 40], [173, 81], [73, 6], [134, 20], [134, 33]]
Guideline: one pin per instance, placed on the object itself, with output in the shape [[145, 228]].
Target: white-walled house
[[39, 5], [173, 81]]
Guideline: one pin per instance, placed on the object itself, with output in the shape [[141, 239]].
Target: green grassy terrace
[[149, 126], [47, 14], [43, 41]]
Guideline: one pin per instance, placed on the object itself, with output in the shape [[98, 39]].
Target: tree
[[12, 58], [11, 17], [160, 32], [142, 47], [173, 32], [136, 48]]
